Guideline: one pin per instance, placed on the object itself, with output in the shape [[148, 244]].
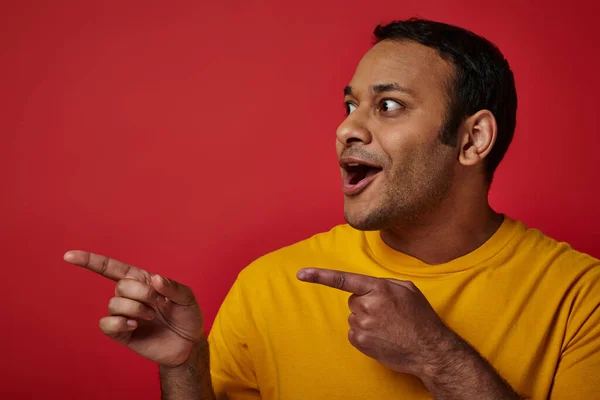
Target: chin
[[366, 220]]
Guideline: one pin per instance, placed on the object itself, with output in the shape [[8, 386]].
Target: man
[[427, 292]]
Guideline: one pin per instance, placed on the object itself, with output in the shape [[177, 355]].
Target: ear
[[477, 137]]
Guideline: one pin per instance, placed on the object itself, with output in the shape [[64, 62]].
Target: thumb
[[406, 284], [396, 281], [174, 291]]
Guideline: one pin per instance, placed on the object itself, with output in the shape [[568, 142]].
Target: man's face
[[394, 167]]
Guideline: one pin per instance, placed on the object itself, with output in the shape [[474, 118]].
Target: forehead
[[410, 64]]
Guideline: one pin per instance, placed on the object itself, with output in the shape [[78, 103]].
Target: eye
[[349, 108], [390, 105]]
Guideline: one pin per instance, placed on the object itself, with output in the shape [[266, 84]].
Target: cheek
[[400, 154], [411, 149], [339, 147]]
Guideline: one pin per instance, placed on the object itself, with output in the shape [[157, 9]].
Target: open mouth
[[358, 176]]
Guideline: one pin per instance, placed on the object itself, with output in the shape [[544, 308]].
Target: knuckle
[[315, 278], [113, 305], [140, 309], [128, 270], [121, 286], [360, 338], [339, 280], [365, 306], [353, 301], [104, 265], [351, 319], [148, 293], [364, 323], [381, 285]]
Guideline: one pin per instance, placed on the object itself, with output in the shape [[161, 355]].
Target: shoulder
[[286, 261], [557, 267], [560, 256]]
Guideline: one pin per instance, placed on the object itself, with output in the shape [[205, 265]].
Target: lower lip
[[350, 190]]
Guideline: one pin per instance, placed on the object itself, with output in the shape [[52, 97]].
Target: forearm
[[460, 372], [190, 381]]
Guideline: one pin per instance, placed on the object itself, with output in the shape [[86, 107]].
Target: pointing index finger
[[346, 281], [105, 266]]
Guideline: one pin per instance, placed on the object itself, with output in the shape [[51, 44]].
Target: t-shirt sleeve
[[578, 372], [231, 367]]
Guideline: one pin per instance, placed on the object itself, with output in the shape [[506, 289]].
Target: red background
[[189, 139]]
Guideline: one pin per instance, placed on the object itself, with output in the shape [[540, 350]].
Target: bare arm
[[460, 372], [392, 322], [189, 381], [159, 319]]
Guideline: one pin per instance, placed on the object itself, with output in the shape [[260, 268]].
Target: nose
[[353, 131]]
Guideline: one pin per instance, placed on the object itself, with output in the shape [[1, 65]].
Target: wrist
[[457, 370], [191, 379], [442, 355], [198, 354]]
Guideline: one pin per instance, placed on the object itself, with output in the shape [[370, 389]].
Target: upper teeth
[[354, 165]]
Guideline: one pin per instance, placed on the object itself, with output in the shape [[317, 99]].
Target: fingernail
[[131, 323]]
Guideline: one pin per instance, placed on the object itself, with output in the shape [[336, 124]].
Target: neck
[[457, 227]]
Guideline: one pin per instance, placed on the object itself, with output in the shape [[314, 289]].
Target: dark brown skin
[[428, 192], [429, 201], [191, 380], [392, 322], [167, 325]]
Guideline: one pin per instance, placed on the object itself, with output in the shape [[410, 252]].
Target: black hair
[[482, 79]]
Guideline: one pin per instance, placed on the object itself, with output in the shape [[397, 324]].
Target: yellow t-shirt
[[527, 303]]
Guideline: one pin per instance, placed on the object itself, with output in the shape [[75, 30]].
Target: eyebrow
[[382, 87]]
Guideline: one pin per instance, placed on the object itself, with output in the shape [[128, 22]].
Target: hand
[[154, 316], [390, 321]]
